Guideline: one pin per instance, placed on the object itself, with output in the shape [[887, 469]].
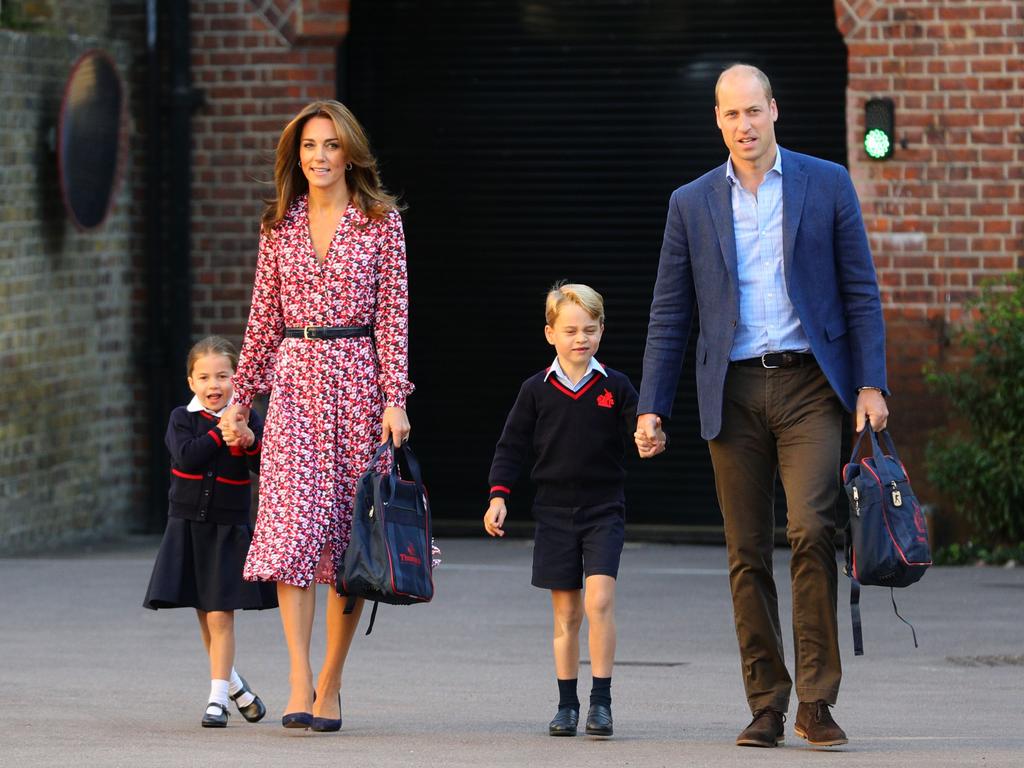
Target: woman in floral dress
[[327, 337]]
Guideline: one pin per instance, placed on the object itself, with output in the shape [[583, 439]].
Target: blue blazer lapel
[[794, 188], [720, 204]]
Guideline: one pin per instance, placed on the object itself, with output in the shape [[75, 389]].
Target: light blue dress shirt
[[768, 322], [559, 374]]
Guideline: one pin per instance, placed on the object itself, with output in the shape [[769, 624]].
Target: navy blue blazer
[[830, 277]]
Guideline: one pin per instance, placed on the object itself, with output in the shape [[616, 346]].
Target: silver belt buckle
[[765, 365]]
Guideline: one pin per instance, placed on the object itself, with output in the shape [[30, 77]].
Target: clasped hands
[[649, 436], [234, 427]]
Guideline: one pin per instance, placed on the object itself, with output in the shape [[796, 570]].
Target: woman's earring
[[348, 166]]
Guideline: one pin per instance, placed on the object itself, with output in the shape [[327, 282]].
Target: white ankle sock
[[218, 694], [235, 686]]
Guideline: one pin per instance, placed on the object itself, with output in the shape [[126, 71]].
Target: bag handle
[[876, 449], [410, 459]]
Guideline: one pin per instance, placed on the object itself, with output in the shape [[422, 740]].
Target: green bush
[[980, 467]]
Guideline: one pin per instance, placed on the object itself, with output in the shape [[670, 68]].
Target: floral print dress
[[326, 395]]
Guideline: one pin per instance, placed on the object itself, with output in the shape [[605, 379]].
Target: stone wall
[[946, 212], [69, 391]]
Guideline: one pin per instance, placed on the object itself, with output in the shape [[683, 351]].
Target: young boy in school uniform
[[576, 417]]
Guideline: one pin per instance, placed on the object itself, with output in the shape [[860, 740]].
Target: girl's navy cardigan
[[209, 483]]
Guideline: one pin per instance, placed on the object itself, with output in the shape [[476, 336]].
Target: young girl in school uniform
[[199, 564]]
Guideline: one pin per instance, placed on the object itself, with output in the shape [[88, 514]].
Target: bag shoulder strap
[[350, 605], [858, 632]]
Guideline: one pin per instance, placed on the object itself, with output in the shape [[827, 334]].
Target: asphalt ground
[[90, 678]]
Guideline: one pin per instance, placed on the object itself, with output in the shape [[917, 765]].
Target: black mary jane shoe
[[565, 722], [599, 720], [216, 721], [327, 724], [254, 711]]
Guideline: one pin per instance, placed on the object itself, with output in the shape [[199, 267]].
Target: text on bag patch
[[409, 556]]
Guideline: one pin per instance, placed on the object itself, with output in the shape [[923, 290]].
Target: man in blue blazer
[[770, 250]]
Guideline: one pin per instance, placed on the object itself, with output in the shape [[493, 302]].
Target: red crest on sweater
[[607, 400]]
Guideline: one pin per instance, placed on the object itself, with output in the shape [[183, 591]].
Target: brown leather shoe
[[765, 730], [814, 722]]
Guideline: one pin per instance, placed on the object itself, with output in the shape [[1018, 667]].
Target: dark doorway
[[538, 140]]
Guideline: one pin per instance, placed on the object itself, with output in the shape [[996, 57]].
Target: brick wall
[[258, 64], [947, 211], [67, 382]]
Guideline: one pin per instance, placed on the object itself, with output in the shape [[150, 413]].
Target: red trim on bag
[[187, 477], [430, 553], [885, 516]]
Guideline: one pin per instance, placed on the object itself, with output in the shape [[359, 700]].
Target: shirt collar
[[195, 406], [593, 365], [730, 173]]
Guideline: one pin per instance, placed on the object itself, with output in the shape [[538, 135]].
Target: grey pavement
[[90, 678]]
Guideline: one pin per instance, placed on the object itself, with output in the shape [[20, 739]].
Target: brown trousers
[[787, 421]]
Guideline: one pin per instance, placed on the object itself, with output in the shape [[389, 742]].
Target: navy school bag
[[886, 538], [389, 558]]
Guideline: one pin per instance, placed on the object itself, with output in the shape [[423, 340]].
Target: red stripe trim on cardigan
[[228, 481], [575, 395], [225, 480], [216, 438]]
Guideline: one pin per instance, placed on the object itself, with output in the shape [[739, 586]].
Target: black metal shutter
[[540, 140]]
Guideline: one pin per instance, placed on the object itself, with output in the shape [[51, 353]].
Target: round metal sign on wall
[[89, 138]]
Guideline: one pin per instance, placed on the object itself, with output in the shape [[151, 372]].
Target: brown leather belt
[[778, 360]]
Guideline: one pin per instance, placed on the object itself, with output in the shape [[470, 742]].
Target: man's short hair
[[761, 76]]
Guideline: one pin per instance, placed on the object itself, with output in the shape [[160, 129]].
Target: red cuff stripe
[[216, 438], [254, 450], [502, 489]]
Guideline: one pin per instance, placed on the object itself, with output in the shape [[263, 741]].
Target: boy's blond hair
[[575, 293]]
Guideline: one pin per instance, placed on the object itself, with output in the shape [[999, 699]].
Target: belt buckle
[[305, 332], [765, 365]]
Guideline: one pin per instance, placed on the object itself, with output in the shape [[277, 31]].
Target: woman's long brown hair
[[368, 194]]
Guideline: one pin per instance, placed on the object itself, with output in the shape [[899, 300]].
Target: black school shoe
[[216, 721], [565, 722], [254, 711], [599, 720]]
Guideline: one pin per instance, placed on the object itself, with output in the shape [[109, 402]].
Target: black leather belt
[[327, 332], [778, 360]]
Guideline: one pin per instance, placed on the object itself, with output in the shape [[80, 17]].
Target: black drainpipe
[[155, 353], [168, 231]]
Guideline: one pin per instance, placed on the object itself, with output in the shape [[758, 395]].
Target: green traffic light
[[877, 144]]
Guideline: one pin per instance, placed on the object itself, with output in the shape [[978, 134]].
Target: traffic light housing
[[879, 128]]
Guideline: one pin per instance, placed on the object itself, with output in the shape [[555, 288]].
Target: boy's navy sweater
[[578, 439], [208, 482]]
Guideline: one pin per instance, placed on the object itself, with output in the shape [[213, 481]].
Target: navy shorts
[[571, 542]]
